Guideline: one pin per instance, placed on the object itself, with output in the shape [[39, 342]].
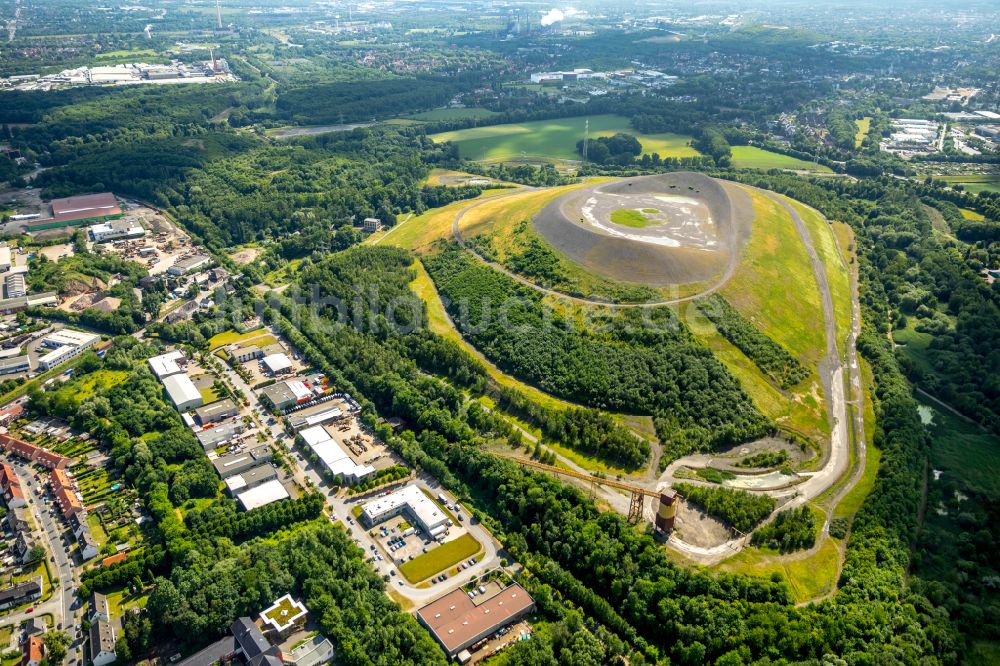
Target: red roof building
[[11, 414], [65, 491], [457, 622], [85, 207], [11, 486], [34, 651], [29, 451]]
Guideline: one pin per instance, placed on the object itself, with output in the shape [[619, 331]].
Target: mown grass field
[[975, 183], [231, 336], [971, 215], [822, 234], [752, 157], [435, 561], [555, 139], [863, 125], [420, 232]]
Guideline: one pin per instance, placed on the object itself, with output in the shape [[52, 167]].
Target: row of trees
[[773, 360]]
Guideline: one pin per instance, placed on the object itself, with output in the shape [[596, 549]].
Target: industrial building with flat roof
[[216, 436], [77, 210], [457, 622], [66, 343], [277, 364], [295, 391], [272, 491], [237, 463], [115, 230], [251, 478], [412, 501], [182, 392], [171, 363], [220, 410], [15, 364], [336, 460], [191, 263]]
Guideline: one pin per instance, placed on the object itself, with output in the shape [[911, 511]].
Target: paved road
[[55, 537]]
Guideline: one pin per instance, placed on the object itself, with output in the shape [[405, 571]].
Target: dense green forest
[[659, 370], [739, 509], [791, 530]]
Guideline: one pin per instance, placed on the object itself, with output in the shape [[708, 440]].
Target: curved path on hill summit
[[457, 233]]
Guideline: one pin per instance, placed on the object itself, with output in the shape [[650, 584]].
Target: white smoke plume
[[554, 16], [557, 15]]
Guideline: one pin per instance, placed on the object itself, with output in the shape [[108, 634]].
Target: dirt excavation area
[[661, 230]]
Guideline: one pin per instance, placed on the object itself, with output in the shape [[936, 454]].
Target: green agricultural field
[[963, 449], [975, 183], [555, 139], [434, 562], [453, 114], [752, 157]]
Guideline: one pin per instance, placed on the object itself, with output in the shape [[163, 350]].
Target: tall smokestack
[[215, 68], [218, 15]]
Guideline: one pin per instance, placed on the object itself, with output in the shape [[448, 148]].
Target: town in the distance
[[499, 333]]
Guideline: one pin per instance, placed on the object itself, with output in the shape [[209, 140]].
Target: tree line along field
[[974, 183], [752, 157], [555, 139]]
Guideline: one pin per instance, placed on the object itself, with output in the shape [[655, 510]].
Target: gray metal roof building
[[238, 463]]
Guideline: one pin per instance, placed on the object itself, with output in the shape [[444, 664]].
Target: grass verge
[[446, 555]]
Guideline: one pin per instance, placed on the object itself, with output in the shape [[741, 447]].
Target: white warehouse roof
[[277, 363], [71, 337], [333, 455], [425, 511], [167, 364], [181, 389], [265, 493]]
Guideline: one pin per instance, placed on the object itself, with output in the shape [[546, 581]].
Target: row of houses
[[32, 453]]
